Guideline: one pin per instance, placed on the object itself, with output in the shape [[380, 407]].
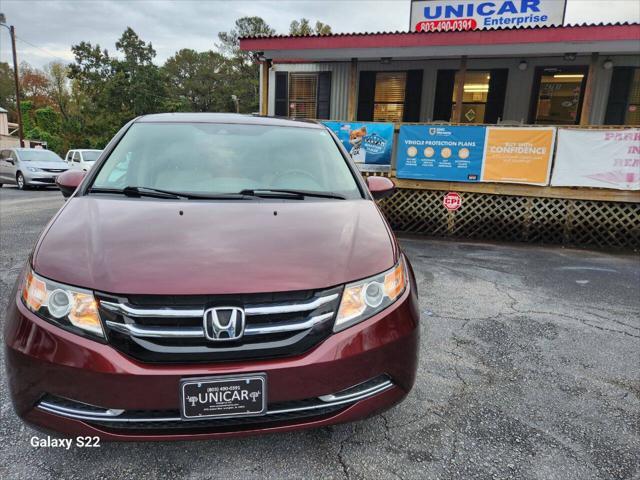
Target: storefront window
[[632, 115], [302, 95], [558, 99], [474, 96], [389, 97]]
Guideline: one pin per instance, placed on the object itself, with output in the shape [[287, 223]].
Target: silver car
[[27, 167]]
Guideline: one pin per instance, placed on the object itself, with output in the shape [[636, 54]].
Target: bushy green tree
[[7, 90], [197, 81], [244, 27], [303, 27], [83, 104]]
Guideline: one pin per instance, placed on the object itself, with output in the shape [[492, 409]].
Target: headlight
[[365, 298], [71, 308], [33, 169]]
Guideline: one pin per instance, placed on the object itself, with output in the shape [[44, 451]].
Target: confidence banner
[[367, 143], [518, 155], [598, 158], [428, 152]]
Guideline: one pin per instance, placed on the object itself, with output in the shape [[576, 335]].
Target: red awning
[[579, 34]]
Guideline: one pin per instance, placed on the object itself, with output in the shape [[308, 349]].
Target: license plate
[[220, 397]]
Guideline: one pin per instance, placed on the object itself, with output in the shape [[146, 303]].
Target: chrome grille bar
[[198, 332], [124, 309], [120, 416]]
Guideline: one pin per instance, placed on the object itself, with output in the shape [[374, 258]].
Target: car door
[[75, 161], [13, 166], [4, 165], [82, 165]]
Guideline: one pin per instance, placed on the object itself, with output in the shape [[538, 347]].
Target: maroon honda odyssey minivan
[[213, 275]]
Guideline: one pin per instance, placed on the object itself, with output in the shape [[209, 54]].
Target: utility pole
[[16, 77]]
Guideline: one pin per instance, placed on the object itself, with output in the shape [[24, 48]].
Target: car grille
[[53, 170], [169, 329], [44, 180]]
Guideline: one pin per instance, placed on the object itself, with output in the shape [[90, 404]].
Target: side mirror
[[68, 181], [380, 187]]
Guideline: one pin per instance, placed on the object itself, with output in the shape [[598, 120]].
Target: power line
[[46, 52]]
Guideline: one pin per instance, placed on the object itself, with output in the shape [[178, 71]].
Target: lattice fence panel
[[516, 218]]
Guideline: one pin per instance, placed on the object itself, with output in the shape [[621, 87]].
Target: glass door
[[557, 95]]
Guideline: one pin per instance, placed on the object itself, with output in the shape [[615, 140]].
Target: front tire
[[21, 182]]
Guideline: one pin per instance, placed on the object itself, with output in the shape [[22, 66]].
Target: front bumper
[[41, 178], [45, 362]]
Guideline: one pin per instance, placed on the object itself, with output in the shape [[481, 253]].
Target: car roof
[[233, 118], [25, 149]]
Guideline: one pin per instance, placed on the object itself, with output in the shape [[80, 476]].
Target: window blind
[[389, 96], [302, 95]]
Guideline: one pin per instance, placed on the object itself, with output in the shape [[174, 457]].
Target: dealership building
[[491, 65], [550, 75]]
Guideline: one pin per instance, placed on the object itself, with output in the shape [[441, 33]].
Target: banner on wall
[[518, 155], [369, 144], [427, 152], [598, 158]]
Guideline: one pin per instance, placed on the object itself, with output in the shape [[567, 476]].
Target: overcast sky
[[46, 29]]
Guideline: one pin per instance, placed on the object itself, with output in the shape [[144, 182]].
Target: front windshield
[[212, 158], [37, 155], [91, 155]]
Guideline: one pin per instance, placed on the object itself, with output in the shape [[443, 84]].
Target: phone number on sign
[[447, 25]]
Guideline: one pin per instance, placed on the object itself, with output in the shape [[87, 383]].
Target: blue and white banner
[[367, 143], [428, 152]]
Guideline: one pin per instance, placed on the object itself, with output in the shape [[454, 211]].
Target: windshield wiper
[[138, 192], [289, 193], [158, 193]]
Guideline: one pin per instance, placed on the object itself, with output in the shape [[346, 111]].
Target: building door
[[482, 96], [557, 95], [623, 107]]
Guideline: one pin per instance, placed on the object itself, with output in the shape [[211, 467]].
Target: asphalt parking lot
[[529, 368]]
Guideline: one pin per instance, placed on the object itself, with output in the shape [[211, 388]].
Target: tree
[[197, 81], [34, 85], [58, 89], [303, 27], [244, 27], [7, 90], [137, 75], [243, 69], [113, 90]]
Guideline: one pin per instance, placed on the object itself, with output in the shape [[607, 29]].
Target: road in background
[[529, 369]]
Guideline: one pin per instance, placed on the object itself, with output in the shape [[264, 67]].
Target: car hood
[[56, 165], [149, 246]]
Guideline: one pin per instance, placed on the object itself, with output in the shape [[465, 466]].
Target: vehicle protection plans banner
[[598, 158], [428, 152], [518, 155], [367, 143]]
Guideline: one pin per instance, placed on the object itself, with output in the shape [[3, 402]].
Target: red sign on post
[[452, 201]]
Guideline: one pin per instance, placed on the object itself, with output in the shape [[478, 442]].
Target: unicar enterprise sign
[[452, 15]]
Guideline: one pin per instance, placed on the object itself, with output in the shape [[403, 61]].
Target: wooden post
[[353, 82], [589, 90], [462, 73], [265, 66]]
